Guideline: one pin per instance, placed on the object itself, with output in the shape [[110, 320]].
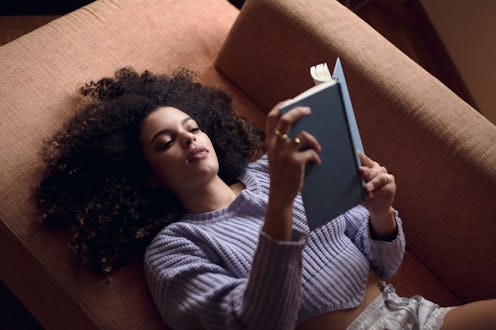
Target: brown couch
[[442, 151]]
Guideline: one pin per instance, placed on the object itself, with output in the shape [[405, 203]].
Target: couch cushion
[[39, 75], [414, 278]]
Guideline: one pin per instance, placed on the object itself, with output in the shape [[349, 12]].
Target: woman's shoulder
[[259, 165], [177, 239], [256, 175], [175, 231]]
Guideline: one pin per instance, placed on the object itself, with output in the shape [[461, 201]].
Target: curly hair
[[96, 181]]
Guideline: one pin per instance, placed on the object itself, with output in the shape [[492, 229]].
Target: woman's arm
[[193, 291]]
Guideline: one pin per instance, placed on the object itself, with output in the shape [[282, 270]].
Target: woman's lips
[[196, 154]]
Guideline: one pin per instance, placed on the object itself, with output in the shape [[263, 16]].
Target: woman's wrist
[[278, 222], [383, 225]]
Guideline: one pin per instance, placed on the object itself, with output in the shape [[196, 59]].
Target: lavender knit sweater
[[218, 269]]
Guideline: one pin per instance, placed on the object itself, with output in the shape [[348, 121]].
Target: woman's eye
[[165, 145], [195, 130]]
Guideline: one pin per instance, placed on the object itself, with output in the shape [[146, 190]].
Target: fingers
[[379, 181], [310, 156], [371, 172], [303, 141], [380, 186], [307, 140], [272, 120], [307, 146], [283, 123], [289, 118], [366, 161], [288, 157], [301, 149], [278, 126], [376, 176], [370, 168]]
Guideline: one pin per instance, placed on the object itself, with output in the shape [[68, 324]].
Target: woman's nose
[[187, 138]]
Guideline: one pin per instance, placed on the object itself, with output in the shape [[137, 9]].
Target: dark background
[[53, 7]]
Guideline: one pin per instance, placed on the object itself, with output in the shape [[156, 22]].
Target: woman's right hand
[[287, 163]]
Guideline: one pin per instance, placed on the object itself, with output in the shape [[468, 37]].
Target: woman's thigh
[[476, 315]]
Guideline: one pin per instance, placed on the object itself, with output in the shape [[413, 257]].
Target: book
[[335, 185]]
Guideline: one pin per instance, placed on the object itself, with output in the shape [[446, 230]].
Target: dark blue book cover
[[335, 185]]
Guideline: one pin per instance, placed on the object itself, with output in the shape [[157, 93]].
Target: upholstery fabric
[[39, 76], [441, 151]]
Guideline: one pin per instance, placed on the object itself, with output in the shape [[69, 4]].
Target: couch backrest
[[442, 152]]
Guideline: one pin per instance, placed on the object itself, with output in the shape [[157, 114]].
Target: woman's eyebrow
[[168, 131]]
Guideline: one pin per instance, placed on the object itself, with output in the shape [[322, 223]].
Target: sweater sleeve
[[191, 291], [385, 257]]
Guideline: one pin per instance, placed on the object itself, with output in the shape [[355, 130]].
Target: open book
[[335, 185]]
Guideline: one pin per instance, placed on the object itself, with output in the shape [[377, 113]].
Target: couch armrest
[[442, 152]]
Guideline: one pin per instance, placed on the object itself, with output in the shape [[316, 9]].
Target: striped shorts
[[389, 311]]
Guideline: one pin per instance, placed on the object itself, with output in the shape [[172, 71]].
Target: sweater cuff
[[375, 237], [297, 238], [273, 253], [386, 256], [275, 280]]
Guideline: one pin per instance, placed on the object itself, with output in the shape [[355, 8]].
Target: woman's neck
[[212, 196]]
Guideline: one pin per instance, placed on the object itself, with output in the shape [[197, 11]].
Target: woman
[[158, 154]]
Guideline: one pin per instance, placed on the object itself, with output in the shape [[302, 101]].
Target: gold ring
[[282, 136], [297, 140]]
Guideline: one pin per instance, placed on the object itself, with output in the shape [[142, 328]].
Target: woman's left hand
[[381, 189]]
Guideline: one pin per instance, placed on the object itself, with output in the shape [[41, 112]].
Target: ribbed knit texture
[[219, 270]]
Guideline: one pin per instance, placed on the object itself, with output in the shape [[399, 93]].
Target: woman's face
[[180, 155]]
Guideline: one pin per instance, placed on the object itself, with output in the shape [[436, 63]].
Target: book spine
[[352, 125]]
